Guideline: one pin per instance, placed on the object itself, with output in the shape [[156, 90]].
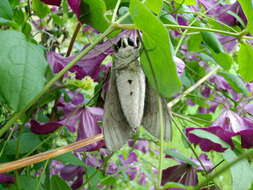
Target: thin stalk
[[73, 39], [193, 87], [42, 173], [161, 155], [53, 80], [225, 167], [194, 28], [5, 143], [115, 11]]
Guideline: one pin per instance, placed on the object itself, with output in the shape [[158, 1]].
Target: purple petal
[[143, 179], [112, 168], [88, 127], [207, 145], [205, 161], [131, 172], [75, 6], [132, 157], [180, 65], [231, 121], [92, 161], [69, 172], [141, 145], [44, 128], [6, 179], [52, 2], [183, 173], [78, 182], [246, 138]]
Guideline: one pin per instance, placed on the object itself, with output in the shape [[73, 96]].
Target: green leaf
[[22, 69], [69, 158], [110, 4], [242, 172], [155, 6], [57, 183], [247, 7], [207, 135], [156, 58], [193, 42], [186, 2], [245, 66], [92, 13], [28, 141], [40, 9], [5, 9], [108, 180], [235, 82], [27, 182], [223, 59], [211, 40], [174, 185], [180, 157]]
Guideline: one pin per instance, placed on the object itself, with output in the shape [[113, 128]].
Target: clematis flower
[[44, 128], [227, 125], [52, 2], [185, 173], [73, 173], [4, 178], [221, 12]]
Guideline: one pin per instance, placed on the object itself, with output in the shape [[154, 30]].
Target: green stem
[[41, 175], [224, 168], [53, 80], [161, 142], [194, 28], [115, 11]]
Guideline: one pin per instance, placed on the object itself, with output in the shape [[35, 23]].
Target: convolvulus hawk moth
[[130, 101]]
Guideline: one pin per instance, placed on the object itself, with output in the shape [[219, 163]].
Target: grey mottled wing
[[151, 119], [115, 126]]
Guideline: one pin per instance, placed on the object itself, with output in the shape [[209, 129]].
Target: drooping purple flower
[[112, 168], [141, 145], [206, 144], [227, 125], [88, 127], [73, 173], [180, 65], [89, 65], [52, 2], [185, 173], [44, 128], [4, 178], [55, 167]]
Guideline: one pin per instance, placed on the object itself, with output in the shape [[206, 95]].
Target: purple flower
[[92, 161], [132, 157], [143, 179], [75, 6], [112, 168], [185, 173], [44, 128], [132, 172], [141, 145], [52, 2], [73, 173], [6, 179], [88, 127], [180, 65], [227, 125]]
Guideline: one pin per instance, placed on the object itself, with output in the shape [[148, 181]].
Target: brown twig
[[6, 167], [73, 39]]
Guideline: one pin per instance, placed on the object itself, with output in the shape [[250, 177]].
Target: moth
[[130, 101]]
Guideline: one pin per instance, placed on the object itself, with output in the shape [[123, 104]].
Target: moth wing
[[131, 90], [116, 128], [151, 118]]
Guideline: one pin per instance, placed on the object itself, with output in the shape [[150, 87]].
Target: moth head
[[126, 47]]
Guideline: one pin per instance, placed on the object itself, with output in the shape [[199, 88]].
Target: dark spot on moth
[[129, 81], [131, 93]]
